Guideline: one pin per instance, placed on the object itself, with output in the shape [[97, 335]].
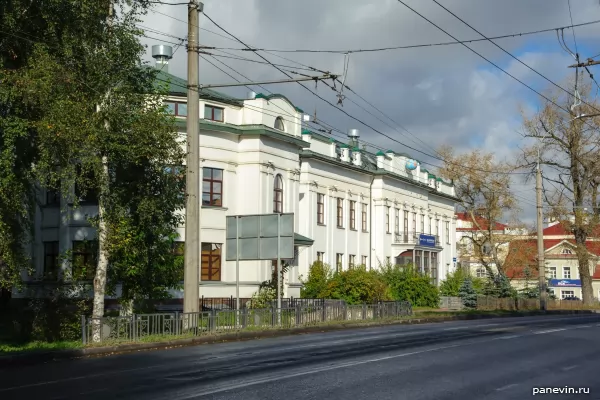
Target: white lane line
[[500, 389], [455, 329], [549, 331], [508, 337], [481, 326], [569, 368], [329, 368]]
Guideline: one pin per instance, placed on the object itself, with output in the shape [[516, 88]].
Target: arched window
[[279, 124], [567, 251], [278, 195]]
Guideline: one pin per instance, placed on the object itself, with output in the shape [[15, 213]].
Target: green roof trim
[[178, 87], [302, 241], [357, 149], [344, 145], [390, 151], [431, 176], [247, 130], [316, 135], [380, 153], [278, 96]]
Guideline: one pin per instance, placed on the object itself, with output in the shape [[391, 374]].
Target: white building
[[350, 206]]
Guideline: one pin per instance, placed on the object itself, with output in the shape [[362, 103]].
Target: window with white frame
[[320, 255], [339, 260], [552, 272], [480, 272], [351, 261], [387, 219], [566, 294], [397, 222], [566, 272], [364, 260], [422, 223]]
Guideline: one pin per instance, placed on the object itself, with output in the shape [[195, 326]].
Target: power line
[[573, 31], [512, 35], [343, 111], [488, 60]]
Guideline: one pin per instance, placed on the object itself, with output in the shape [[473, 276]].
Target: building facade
[[562, 266], [350, 206]]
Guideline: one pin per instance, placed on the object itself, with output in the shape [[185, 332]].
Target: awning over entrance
[[302, 241]]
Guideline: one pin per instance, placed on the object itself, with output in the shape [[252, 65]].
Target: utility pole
[[540, 235], [191, 282]]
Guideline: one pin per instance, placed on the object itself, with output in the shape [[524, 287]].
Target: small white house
[[351, 207]]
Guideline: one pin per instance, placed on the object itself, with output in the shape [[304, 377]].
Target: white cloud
[[443, 95]]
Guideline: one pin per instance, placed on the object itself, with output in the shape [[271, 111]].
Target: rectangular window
[[213, 113], [414, 222], [351, 259], [448, 232], [422, 223], [364, 217], [320, 256], [387, 219], [85, 259], [339, 257], [212, 187], [178, 173], [429, 226], [364, 260], [52, 197], [211, 262], [566, 272], [397, 222], [51, 266], [340, 213], [437, 228], [405, 223], [176, 108], [320, 208], [353, 215], [388, 260], [564, 294], [552, 272]]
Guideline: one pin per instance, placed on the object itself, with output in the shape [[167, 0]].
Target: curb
[[38, 357]]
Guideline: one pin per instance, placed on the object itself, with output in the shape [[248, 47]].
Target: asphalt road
[[503, 358]]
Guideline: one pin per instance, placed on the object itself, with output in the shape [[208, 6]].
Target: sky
[[434, 95]]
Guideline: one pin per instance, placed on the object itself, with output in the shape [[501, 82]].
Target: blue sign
[[565, 282], [453, 259], [426, 240]]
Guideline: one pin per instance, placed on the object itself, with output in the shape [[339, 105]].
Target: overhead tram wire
[[456, 41], [491, 62], [512, 55], [343, 111]]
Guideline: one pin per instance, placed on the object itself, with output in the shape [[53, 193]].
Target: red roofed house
[[561, 262], [468, 228]]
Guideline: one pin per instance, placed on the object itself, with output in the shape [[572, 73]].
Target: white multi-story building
[[351, 207]]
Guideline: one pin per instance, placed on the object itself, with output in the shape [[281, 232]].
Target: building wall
[[250, 164]]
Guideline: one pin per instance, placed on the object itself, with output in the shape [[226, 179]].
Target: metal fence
[[159, 326]]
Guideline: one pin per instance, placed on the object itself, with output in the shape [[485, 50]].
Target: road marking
[[455, 329], [481, 326], [508, 337], [507, 387], [549, 331], [569, 368]]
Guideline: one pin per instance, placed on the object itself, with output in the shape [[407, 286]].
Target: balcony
[[412, 237]]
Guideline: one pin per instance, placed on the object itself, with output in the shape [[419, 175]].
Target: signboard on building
[[565, 282], [426, 240], [260, 237]]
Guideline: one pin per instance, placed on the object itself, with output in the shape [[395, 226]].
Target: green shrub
[[318, 276], [357, 286], [406, 283], [451, 285]]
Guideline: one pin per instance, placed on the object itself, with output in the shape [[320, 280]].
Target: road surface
[[503, 358]]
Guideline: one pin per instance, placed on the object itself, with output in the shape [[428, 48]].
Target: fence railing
[[139, 327], [495, 303]]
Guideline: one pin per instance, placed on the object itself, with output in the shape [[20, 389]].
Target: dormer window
[[178, 109], [279, 124], [567, 251], [213, 113]]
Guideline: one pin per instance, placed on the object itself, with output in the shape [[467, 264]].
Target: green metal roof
[[300, 240], [278, 96], [178, 87]]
